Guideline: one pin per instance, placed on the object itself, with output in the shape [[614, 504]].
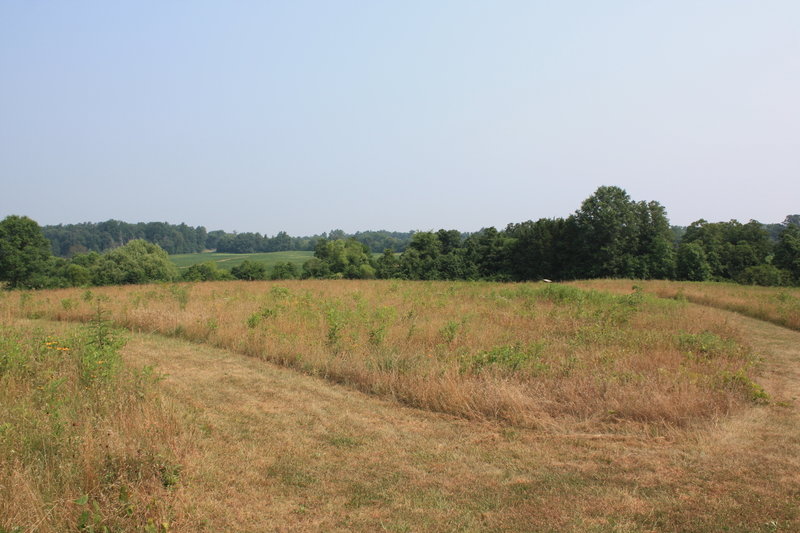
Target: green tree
[[250, 271], [388, 266], [316, 268], [539, 250], [487, 254], [730, 247], [655, 250], [692, 264], [285, 270], [787, 251], [208, 271], [419, 261], [608, 230], [138, 261], [765, 275], [342, 258], [25, 254]]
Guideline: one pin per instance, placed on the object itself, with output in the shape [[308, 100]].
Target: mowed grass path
[[275, 450], [228, 261]]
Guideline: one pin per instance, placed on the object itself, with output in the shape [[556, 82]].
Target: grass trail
[[279, 451]]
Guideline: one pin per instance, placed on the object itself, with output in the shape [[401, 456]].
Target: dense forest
[[68, 240], [609, 236]]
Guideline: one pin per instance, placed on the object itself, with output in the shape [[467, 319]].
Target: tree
[[485, 255], [388, 266], [316, 268], [341, 258], [419, 261], [250, 271], [608, 230], [655, 249], [25, 254], [207, 271], [285, 270], [138, 261], [787, 251], [535, 250], [764, 275], [730, 247], [692, 264]]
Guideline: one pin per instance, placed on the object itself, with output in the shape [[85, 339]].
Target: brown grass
[[779, 305], [69, 447], [262, 448], [532, 355], [279, 451]]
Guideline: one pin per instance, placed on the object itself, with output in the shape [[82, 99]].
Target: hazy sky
[[306, 116]]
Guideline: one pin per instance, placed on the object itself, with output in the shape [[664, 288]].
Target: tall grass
[[778, 305], [529, 354], [85, 443]]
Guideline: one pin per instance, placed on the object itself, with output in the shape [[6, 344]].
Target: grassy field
[[228, 261], [85, 440], [528, 354], [394, 406], [779, 305]]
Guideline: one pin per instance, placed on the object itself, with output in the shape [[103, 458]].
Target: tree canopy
[[609, 235], [25, 257]]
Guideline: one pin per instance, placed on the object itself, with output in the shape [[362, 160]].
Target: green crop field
[[228, 261]]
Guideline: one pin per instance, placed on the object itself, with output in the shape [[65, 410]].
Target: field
[[228, 261], [404, 406], [780, 306]]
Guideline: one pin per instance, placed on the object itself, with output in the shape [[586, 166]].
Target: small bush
[[706, 345], [507, 358], [256, 318]]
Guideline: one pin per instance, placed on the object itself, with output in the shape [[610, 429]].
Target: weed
[[278, 292], [336, 323], [705, 345], [449, 331], [740, 382], [510, 358], [181, 295], [256, 318], [381, 320]]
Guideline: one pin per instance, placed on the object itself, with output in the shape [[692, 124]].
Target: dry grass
[[279, 451], [532, 355], [84, 441], [779, 305], [273, 449]]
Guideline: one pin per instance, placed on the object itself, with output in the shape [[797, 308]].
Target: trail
[[275, 450]]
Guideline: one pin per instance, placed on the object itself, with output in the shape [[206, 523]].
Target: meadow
[[228, 261], [528, 354], [393, 405], [779, 305], [86, 443]]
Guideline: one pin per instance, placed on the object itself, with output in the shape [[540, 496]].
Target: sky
[[305, 116]]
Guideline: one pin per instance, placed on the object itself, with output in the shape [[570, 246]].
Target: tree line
[[610, 235], [68, 240]]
